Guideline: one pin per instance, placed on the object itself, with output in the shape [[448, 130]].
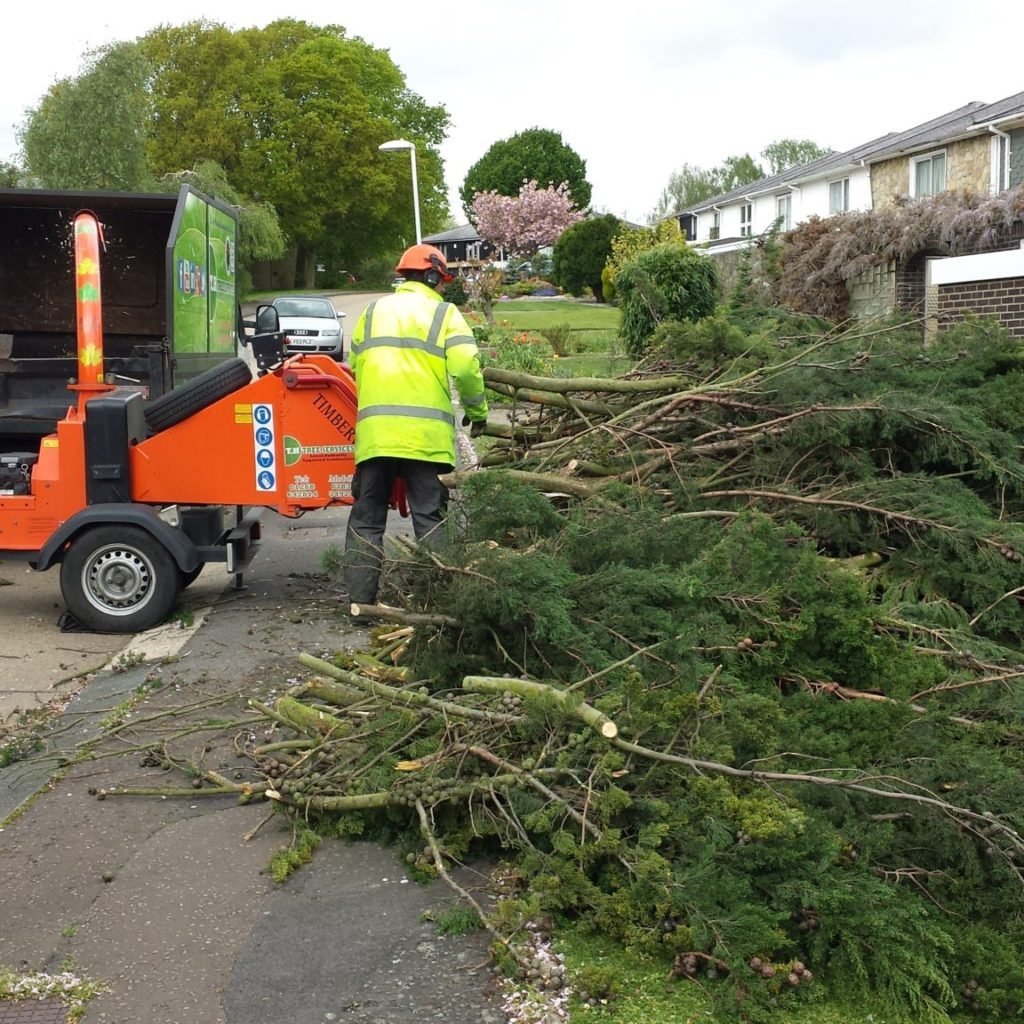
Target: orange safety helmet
[[428, 258]]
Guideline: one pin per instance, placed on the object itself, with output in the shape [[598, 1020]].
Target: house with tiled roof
[[978, 147], [462, 246]]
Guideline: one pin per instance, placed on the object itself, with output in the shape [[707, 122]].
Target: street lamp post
[[397, 144]]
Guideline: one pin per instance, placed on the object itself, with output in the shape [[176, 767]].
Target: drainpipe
[[718, 210], [1004, 181]]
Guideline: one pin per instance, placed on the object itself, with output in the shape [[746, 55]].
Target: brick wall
[[1002, 299], [910, 283]]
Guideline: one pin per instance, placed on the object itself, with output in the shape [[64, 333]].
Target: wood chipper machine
[[132, 497]]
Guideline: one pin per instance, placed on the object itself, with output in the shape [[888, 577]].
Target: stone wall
[[968, 166], [873, 293], [728, 264], [1001, 299]]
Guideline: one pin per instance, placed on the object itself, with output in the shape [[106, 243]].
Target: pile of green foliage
[[725, 664]]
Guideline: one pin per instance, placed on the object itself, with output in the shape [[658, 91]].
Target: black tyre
[[184, 401], [119, 579], [188, 578]]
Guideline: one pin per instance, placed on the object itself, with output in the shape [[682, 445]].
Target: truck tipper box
[[170, 308]]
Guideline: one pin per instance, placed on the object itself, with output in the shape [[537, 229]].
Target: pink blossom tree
[[520, 225]]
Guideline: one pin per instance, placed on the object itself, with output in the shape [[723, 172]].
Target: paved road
[[167, 901]]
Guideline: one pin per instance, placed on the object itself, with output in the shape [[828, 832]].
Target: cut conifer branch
[[596, 720]]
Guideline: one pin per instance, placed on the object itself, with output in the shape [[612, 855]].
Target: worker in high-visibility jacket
[[405, 347]]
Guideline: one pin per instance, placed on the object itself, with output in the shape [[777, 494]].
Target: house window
[[928, 175], [784, 212], [839, 196], [746, 219], [716, 226], [1000, 163]]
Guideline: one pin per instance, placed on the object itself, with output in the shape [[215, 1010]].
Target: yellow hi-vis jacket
[[405, 346]]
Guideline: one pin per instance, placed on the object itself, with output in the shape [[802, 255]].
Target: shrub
[[559, 337], [378, 273], [503, 346], [455, 292], [668, 282], [581, 253]]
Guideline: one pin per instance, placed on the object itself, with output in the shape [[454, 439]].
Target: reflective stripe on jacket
[[405, 347]]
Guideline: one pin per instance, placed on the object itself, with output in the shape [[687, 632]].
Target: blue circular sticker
[[265, 458], [261, 414], [265, 480], [264, 436]]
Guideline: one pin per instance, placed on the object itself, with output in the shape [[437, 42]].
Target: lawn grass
[[536, 314], [592, 364], [645, 994], [584, 334]]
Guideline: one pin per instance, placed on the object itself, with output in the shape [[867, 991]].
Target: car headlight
[[330, 332]]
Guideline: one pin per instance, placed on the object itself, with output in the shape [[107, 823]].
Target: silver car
[[311, 324]]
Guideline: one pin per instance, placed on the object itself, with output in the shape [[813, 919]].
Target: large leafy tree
[[89, 132], [537, 154], [294, 114], [581, 253], [691, 185], [779, 156]]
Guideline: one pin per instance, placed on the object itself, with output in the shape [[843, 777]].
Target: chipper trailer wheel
[[119, 579]]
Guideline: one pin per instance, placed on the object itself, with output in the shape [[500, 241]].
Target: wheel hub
[[118, 579]]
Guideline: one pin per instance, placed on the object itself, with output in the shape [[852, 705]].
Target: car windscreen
[[305, 307]]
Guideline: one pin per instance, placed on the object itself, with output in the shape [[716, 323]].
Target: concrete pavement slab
[[348, 942], [38, 663], [165, 931]]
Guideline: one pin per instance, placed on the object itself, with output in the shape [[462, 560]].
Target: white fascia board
[[984, 266], [839, 171]]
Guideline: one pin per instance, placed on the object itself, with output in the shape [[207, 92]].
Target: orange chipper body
[[284, 442]]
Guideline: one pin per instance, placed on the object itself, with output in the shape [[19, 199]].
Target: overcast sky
[[637, 89]]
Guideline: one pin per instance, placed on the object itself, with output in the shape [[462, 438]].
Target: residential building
[[977, 147], [462, 246]]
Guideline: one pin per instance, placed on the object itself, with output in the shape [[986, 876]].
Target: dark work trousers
[[368, 519]]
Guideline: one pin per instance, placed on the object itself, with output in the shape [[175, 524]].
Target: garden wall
[[987, 285]]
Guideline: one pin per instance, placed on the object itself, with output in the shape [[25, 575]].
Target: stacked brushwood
[[725, 664]]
